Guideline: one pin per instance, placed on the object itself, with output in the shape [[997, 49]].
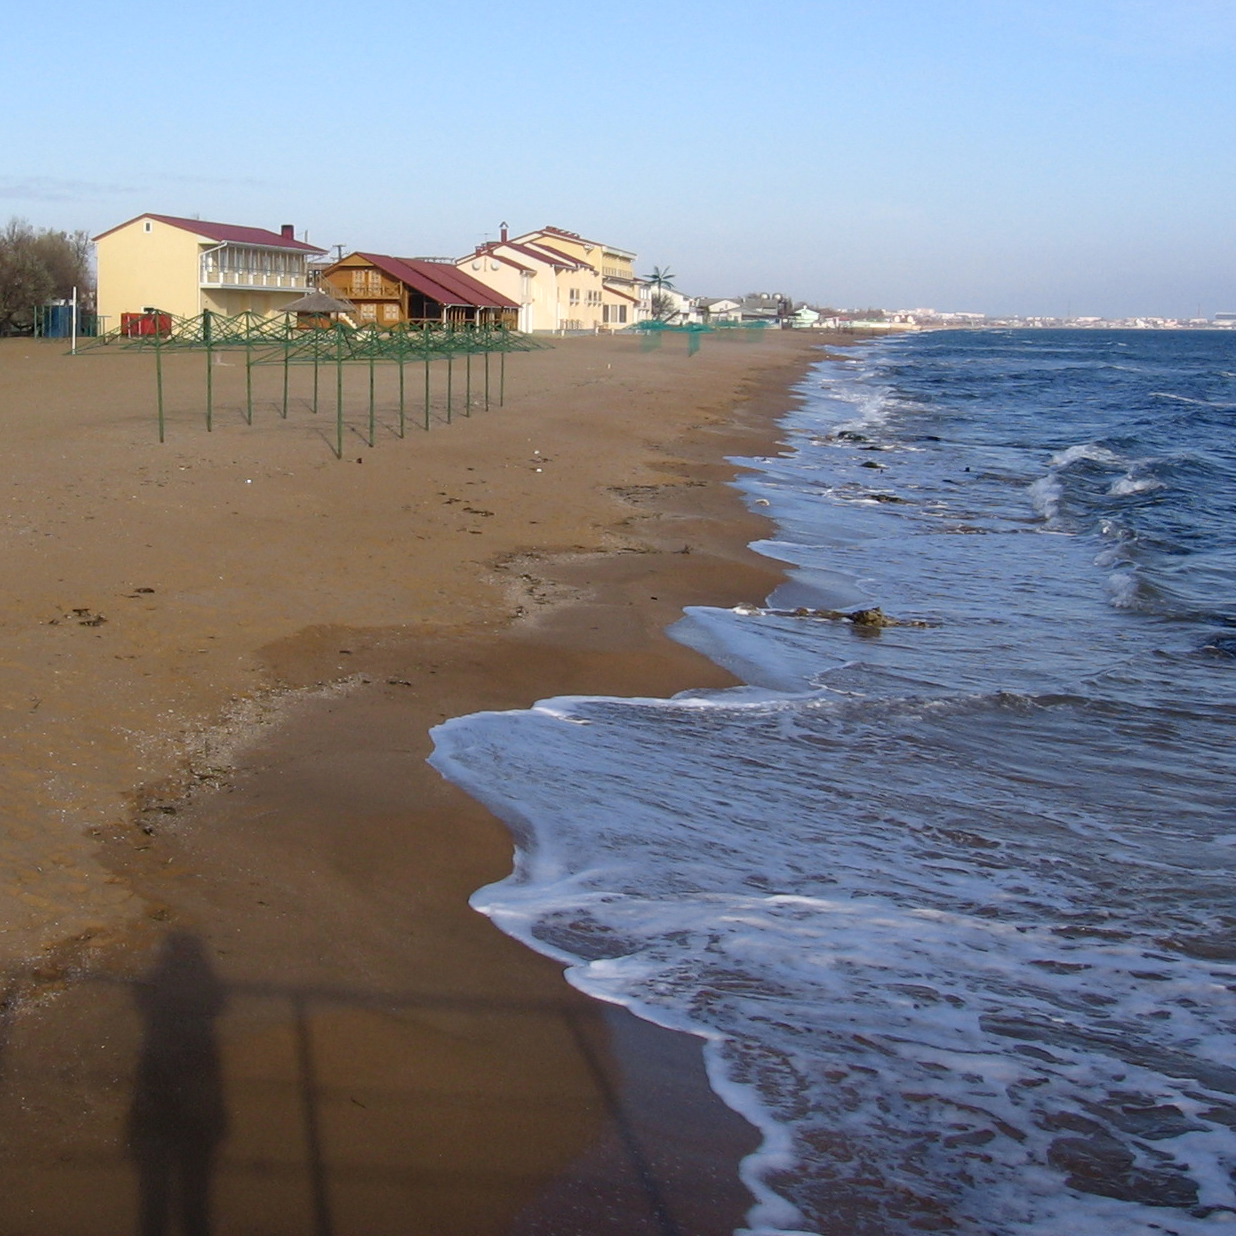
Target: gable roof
[[577, 263], [542, 253], [439, 281], [229, 233], [491, 250], [317, 302], [549, 230]]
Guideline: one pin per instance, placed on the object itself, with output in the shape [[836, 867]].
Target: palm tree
[[662, 304]]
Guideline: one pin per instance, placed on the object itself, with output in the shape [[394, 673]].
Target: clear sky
[[1033, 156]]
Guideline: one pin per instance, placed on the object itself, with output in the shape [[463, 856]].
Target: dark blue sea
[[951, 901]]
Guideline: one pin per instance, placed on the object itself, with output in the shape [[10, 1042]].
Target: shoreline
[[588, 619]]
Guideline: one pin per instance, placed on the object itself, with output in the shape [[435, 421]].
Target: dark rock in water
[[870, 463], [851, 435], [887, 498], [871, 618], [1224, 645]]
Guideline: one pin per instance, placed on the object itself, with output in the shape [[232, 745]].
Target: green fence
[[474, 369]]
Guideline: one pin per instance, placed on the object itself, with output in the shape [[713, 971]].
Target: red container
[[136, 325]]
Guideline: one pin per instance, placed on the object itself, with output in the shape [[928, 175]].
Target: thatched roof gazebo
[[317, 311]]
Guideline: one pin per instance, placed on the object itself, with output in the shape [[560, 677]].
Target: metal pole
[[450, 368], [248, 378], [316, 358], [468, 379], [73, 349], [502, 376], [285, 379], [159, 371], [210, 372], [424, 340], [370, 400], [402, 417], [486, 374], [338, 394]]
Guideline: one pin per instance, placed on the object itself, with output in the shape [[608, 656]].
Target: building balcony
[[618, 272], [251, 279]]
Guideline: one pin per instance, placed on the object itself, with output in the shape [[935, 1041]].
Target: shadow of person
[[177, 1118]]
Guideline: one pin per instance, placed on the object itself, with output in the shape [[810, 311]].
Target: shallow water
[[951, 899]]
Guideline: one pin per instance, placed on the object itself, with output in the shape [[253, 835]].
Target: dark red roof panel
[[225, 232], [551, 256], [564, 256], [468, 290], [613, 291], [491, 251], [439, 282]]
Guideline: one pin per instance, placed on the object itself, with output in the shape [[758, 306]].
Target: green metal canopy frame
[[653, 331], [284, 341]]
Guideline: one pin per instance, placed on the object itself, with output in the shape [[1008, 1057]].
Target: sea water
[[951, 901]]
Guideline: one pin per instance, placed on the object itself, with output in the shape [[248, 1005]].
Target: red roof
[[566, 257], [225, 232], [542, 254], [439, 281], [490, 250]]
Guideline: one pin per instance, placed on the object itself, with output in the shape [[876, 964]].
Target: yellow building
[[616, 268], [560, 281], [183, 266]]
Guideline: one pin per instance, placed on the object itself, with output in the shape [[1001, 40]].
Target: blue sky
[[985, 155]]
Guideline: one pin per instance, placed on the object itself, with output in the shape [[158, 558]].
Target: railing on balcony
[[253, 279], [367, 291], [618, 272]]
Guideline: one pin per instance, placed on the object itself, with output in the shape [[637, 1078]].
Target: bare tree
[[39, 266], [663, 306]]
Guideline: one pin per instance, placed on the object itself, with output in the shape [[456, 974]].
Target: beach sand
[[227, 873]]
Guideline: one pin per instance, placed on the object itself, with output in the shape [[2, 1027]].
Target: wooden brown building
[[387, 291]]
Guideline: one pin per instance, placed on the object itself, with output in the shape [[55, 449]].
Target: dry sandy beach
[[227, 873]]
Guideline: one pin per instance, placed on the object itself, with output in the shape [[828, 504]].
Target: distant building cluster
[[920, 319]]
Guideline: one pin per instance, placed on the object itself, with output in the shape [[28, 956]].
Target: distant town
[[932, 319], [774, 307]]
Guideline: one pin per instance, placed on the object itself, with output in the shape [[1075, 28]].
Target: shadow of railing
[[178, 1116]]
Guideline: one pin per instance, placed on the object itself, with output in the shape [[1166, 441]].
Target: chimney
[[503, 231], [288, 232]]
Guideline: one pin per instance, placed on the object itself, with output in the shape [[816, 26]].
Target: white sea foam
[[1124, 588], [1129, 485], [1089, 451], [1045, 495], [920, 982]]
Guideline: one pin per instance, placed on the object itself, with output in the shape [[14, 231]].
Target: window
[[149, 227], [390, 313], [369, 312], [359, 282], [574, 296], [615, 315], [375, 282]]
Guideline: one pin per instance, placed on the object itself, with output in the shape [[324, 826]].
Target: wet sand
[[228, 874]]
